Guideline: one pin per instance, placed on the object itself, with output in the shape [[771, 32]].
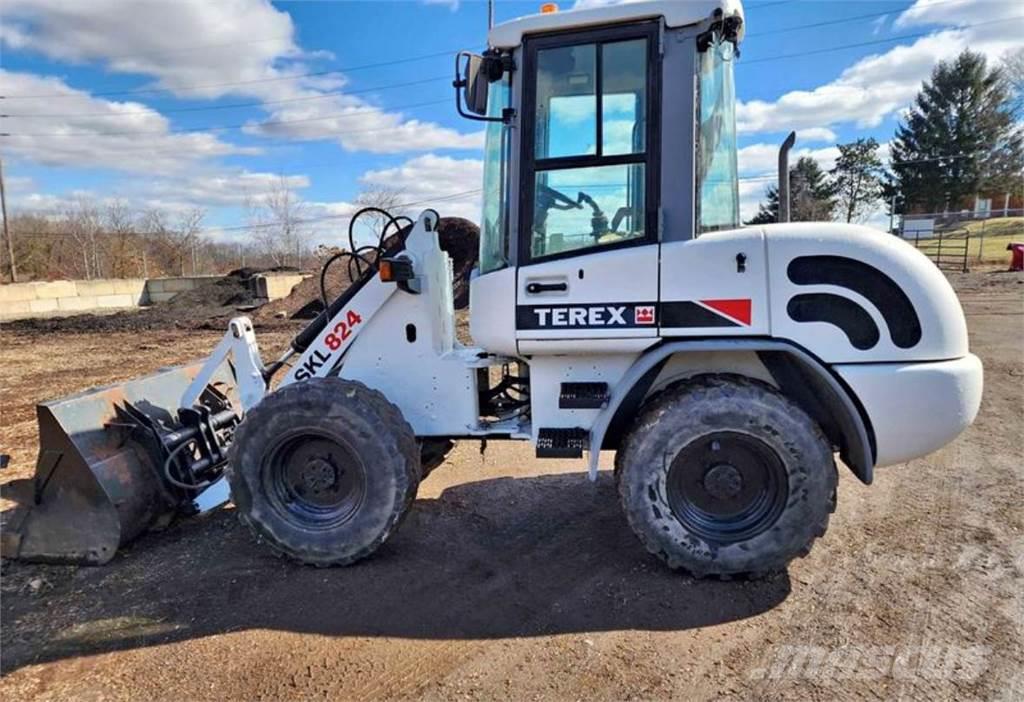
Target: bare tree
[[177, 237], [277, 220], [1012, 68], [82, 221], [372, 224], [119, 221]]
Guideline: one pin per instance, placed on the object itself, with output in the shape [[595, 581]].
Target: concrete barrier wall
[[274, 286], [64, 297], [69, 296], [163, 289]]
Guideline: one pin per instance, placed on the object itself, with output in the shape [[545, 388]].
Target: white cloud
[[751, 193], [813, 134], [763, 159], [878, 24], [231, 47], [359, 127], [428, 178], [81, 135], [880, 85], [230, 188], [452, 5]]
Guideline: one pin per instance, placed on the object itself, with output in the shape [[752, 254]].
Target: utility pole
[[490, 13], [7, 233]]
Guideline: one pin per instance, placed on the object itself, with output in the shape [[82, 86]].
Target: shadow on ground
[[503, 557]]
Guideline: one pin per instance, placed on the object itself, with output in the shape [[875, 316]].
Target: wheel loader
[[618, 307]]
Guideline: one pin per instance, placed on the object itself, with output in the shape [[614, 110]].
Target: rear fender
[[799, 375]]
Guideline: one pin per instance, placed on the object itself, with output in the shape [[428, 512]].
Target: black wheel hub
[[727, 487], [313, 480]]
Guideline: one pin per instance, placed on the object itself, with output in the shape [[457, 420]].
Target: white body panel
[[320, 358], [492, 312], [676, 13], [942, 324], [547, 373], [916, 408], [627, 275], [706, 269], [410, 353]]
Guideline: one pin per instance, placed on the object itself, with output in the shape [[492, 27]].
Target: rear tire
[[324, 470], [725, 476]]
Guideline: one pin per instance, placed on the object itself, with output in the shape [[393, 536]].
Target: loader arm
[[115, 461]]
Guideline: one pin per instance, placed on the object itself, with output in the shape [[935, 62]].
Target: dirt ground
[[517, 578]]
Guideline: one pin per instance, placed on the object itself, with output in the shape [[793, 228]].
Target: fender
[[800, 376]]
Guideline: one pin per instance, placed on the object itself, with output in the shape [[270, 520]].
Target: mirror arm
[[507, 114]]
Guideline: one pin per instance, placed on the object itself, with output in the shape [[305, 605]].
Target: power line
[[237, 105], [254, 81], [229, 127], [872, 43], [843, 20]]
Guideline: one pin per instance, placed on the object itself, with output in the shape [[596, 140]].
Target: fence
[[956, 240]]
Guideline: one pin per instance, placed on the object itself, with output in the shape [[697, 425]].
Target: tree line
[[961, 138], [87, 240]]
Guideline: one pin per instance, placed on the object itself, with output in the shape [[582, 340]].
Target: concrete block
[[109, 301], [43, 306], [154, 285], [81, 303], [275, 286], [153, 298], [17, 292], [177, 284], [16, 309], [55, 289], [94, 288], [130, 286]]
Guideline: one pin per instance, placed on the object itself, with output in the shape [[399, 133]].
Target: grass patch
[[988, 239]]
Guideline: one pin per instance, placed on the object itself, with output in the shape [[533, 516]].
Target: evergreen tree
[[856, 179], [959, 138], [810, 196]]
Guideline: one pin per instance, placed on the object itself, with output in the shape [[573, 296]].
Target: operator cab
[[610, 131]]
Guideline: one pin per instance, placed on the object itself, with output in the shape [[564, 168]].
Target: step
[[583, 396], [569, 442]]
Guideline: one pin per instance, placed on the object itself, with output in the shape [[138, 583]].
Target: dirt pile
[[459, 238], [208, 306], [304, 300]]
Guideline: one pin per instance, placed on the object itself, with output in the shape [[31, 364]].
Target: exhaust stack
[[784, 176]]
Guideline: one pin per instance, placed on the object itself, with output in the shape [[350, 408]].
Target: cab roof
[[675, 13]]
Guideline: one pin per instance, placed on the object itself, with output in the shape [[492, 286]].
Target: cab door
[[588, 244]]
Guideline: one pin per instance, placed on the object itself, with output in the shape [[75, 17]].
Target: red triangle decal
[[736, 309]]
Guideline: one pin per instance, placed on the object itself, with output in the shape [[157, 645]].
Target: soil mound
[[208, 306]]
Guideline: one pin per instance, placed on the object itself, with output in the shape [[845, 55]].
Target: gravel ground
[[516, 578]]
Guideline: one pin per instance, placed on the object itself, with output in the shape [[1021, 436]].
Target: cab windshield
[[717, 187], [493, 230]]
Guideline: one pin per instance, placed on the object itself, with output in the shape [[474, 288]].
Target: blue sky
[[114, 98]]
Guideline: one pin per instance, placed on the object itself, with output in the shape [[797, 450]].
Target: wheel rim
[[727, 487], [313, 480]]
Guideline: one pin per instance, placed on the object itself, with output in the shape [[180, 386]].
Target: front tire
[[324, 470], [723, 475]]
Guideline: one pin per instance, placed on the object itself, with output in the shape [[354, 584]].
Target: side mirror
[[473, 77]]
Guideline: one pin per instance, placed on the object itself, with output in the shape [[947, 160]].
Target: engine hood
[[851, 294]]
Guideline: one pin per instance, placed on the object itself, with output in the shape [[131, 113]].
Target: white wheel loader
[[618, 306]]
